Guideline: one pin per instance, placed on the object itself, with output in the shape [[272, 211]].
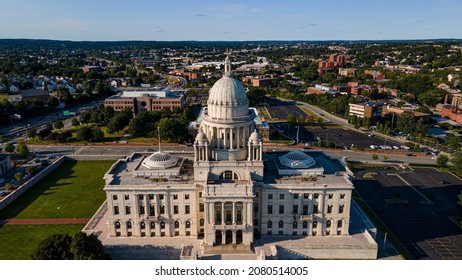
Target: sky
[[214, 20]]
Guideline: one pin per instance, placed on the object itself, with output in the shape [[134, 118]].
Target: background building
[[147, 99]]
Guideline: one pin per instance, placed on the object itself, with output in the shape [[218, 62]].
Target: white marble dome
[[228, 97], [201, 137], [160, 160]]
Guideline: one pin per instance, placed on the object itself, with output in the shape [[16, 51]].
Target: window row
[[295, 224], [152, 209], [305, 196], [305, 209], [151, 196]]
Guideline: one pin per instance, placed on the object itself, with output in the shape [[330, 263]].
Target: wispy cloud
[[200, 15]]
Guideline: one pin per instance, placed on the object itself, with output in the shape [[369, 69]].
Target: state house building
[[229, 191]]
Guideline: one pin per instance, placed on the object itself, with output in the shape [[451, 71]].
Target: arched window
[[177, 224], [305, 224], [188, 224], [328, 224], [295, 225], [162, 225], [153, 225], [229, 175], [201, 222], [142, 225], [339, 224], [315, 224], [281, 224], [117, 225], [129, 225], [269, 224]]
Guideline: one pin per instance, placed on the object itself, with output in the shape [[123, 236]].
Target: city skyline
[[231, 21]]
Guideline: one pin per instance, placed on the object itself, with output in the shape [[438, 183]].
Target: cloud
[[200, 15]]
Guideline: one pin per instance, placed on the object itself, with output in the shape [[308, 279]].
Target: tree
[[84, 134], [85, 117], [31, 133], [291, 119], [88, 247], [53, 102], [97, 134], [18, 176], [8, 187], [22, 149], [374, 156], [442, 160], [54, 247], [63, 136], [49, 126], [58, 124], [63, 94], [119, 121], [9, 147], [456, 161], [65, 247], [30, 169], [75, 122]]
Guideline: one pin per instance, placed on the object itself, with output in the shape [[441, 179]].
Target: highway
[[124, 150]]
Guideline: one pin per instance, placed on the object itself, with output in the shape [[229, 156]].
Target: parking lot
[[279, 110], [416, 206], [340, 137]]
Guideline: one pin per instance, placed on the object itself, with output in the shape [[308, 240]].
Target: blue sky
[[208, 20]]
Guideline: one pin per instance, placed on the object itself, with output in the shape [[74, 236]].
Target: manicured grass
[[370, 175], [143, 140], [18, 242], [73, 190], [280, 139], [3, 97]]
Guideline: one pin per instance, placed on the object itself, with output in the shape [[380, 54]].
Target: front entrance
[[229, 237], [218, 237]]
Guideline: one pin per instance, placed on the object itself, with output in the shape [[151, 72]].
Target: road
[[124, 150]]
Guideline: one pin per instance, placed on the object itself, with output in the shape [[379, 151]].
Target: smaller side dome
[[160, 160], [255, 136], [297, 159], [201, 136]]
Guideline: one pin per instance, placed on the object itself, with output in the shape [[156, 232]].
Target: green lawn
[[73, 190], [18, 242]]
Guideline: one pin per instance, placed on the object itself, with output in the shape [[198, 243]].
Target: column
[[250, 215], [234, 213], [223, 213], [157, 205], [244, 213], [234, 236], [238, 138], [206, 152], [207, 211], [231, 132], [224, 138]]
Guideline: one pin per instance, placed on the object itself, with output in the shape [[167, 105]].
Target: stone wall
[[329, 252], [96, 157], [31, 182]]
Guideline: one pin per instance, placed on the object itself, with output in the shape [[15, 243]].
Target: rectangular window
[[295, 195], [142, 210], [340, 209], [342, 195], [126, 197], [306, 196], [175, 197], [116, 210], [186, 209], [294, 233], [255, 222], [114, 197], [140, 197], [175, 209], [161, 196], [329, 208], [200, 194], [316, 195], [281, 196], [186, 196], [281, 209], [162, 209], [280, 232], [151, 196], [269, 232], [270, 209], [295, 209], [305, 209], [128, 210], [152, 210], [201, 207], [315, 209], [330, 196], [270, 196]]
